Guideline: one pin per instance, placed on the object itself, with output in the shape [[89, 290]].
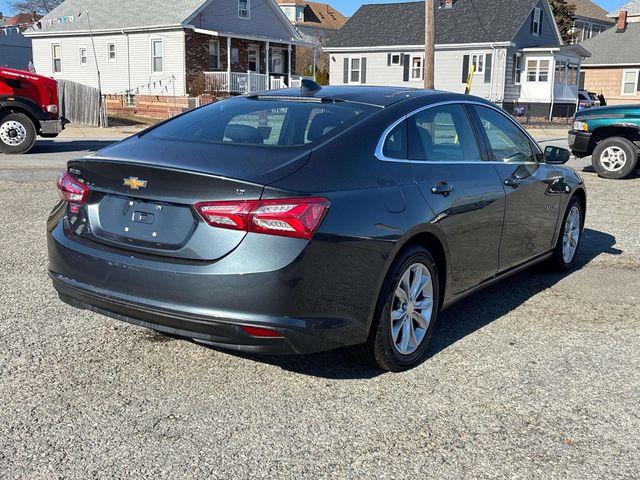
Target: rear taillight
[[291, 217], [261, 332], [71, 190]]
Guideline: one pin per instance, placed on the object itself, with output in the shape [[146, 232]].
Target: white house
[[514, 47], [166, 48]]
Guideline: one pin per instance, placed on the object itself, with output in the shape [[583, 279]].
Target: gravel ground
[[538, 377]]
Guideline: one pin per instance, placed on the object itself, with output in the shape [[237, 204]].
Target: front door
[[532, 199], [254, 56], [462, 189]]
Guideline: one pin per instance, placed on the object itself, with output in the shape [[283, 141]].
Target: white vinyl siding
[[115, 75]]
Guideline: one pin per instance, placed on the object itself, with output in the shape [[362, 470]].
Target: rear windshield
[[274, 123]]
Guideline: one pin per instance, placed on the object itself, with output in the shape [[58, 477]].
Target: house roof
[[633, 7], [394, 24], [612, 47], [21, 19], [120, 14], [588, 9], [320, 15]]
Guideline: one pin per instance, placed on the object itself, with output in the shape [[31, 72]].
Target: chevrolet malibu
[[302, 220]]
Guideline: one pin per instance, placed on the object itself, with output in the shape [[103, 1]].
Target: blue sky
[[347, 7]]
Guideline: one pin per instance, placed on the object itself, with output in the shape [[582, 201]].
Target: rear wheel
[[615, 158], [17, 133], [407, 313]]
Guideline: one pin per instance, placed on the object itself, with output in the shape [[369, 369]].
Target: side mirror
[[556, 155]]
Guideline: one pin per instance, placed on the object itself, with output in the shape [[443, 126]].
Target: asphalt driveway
[[537, 377]]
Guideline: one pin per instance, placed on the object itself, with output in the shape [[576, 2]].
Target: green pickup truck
[[611, 135]]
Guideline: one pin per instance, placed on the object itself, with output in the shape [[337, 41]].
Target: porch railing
[[250, 82]]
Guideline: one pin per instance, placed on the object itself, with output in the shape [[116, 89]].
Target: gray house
[[155, 47], [513, 47]]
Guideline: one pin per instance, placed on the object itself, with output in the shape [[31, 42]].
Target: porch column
[[289, 65], [266, 63], [229, 57]]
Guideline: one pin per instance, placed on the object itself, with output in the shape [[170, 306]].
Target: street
[[536, 377]]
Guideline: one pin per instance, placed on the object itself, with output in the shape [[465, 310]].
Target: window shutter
[[465, 69], [363, 70], [638, 89], [487, 67], [345, 78], [388, 59], [405, 63], [515, 68], [540, 25], [533, 19]]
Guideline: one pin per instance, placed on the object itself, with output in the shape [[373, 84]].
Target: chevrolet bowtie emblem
[[134, 184]]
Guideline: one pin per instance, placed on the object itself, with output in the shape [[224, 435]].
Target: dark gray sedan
[[303, 220]]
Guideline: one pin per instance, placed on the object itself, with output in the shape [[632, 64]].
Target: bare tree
[[40, 7]]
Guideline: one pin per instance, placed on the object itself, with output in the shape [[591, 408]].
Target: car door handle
[[512, 181], [442, 188]]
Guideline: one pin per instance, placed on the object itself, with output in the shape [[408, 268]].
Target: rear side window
[[269, 123], [442, 134]]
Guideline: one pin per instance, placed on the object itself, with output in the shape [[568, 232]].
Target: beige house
[[613, 69]]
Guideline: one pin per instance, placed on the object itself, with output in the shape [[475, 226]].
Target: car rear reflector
[[289, 217], [71, 190], [261, 332]]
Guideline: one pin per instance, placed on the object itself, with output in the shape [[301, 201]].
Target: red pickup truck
[[28, 107]]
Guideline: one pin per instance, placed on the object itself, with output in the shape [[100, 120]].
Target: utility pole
[[429, 43]]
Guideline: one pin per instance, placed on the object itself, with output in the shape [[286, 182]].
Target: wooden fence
[[81, 104]]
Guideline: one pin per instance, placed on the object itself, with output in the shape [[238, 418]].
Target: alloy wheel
[[613, 159], [12, 133], [571, 234], [412, 308]]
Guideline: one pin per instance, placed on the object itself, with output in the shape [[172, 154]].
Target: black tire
[[558, 262], [17, 133], [599, 158], [380, 349]]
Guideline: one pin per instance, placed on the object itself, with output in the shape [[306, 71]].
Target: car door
[[532, 201], [463, 190]]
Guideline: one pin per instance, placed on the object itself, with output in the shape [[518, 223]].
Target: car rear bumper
[[209, 302], [579, 143]]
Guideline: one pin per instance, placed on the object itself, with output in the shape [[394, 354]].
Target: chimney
[[622, 21], [448, 3]]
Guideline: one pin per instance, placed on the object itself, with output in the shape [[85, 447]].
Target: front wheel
[[17, 133], [615, 158], [406, 314], [566, 249]]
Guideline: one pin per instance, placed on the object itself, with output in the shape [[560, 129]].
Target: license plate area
[[143, 223]]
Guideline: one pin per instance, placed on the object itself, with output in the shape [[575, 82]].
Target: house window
[[629, 82], [561, 72], [111, 52], [416, 68], [82, 54], [354, 70], [517, 68], [396, 59], [572, 73], [538, 70], [300, 14], [214, 54], [277, 60], [56, 55], [157, 56], [254, 65], [536, 22], [477, 60], [243, 8]]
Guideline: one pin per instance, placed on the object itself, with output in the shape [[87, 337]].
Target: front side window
[[630, 82], [416, 68], [264, 122], [82, 54], [507, 141], [243, 8], [157, 56], [56, 55], [442, 134], [214, 54], [111, 52], [477, 60]]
